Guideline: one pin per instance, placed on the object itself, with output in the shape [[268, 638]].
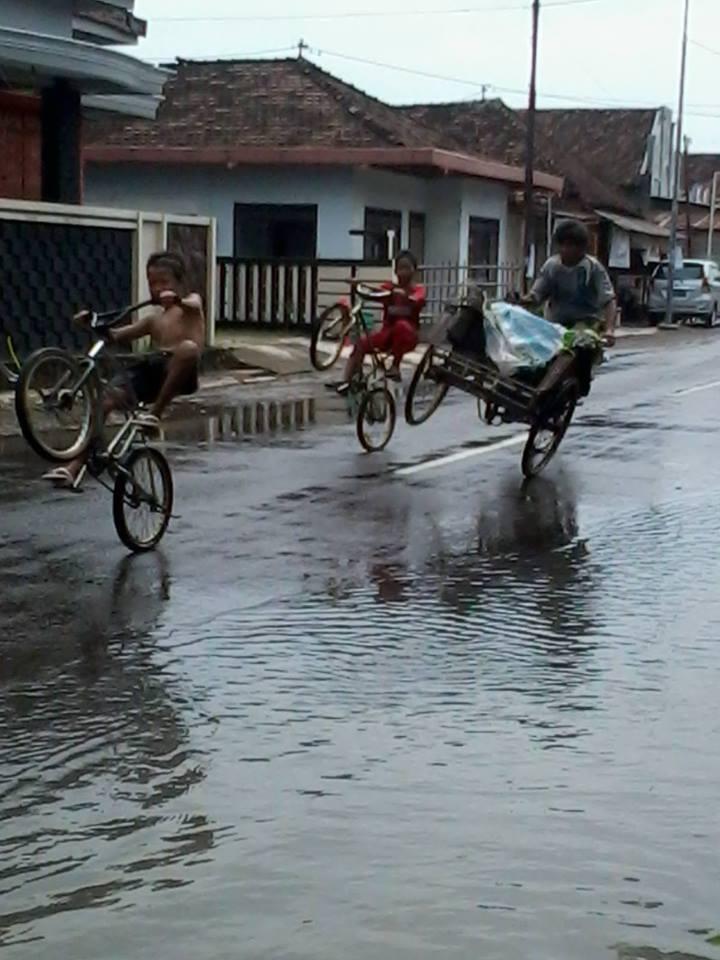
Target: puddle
[[246, 420]]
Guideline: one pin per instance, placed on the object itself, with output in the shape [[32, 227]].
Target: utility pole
[[686, 187], [530, 151], [676, 173], [302, 47], [713, 205]]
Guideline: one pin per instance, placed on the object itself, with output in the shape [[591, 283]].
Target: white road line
[[460, 455], [703, 386]]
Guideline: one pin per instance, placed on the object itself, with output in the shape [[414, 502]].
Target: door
[[483, 243], [275, 231]]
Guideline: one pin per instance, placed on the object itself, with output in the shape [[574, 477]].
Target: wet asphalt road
[[353, 712]]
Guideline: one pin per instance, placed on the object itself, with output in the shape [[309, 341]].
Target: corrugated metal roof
[[645, 228]]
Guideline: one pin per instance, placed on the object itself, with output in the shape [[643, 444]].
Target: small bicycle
[[370, 399], [58, 403]]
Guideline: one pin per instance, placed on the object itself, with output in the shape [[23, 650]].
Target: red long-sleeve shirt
[[399, 307]]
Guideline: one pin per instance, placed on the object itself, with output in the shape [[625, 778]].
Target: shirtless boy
[[177, 332]]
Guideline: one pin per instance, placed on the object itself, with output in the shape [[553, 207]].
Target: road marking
[[461, 455], [703, 386]]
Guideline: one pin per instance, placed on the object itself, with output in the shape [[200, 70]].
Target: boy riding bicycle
[[177, 333], [401, 321]]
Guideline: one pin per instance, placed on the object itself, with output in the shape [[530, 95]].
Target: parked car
[[696, 292]]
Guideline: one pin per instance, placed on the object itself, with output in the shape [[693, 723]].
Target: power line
[[463, 81], [366, 14], [568, 98], [702, 46]]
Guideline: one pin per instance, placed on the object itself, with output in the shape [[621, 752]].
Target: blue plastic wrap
[[516, 339]]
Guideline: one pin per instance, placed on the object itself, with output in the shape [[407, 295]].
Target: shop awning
[[635, 225]]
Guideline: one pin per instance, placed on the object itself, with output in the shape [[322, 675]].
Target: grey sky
[[601, 52]]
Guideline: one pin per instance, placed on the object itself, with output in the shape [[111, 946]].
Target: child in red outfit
[[401, 319]]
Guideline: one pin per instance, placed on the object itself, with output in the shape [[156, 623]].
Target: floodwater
[[342, 716]]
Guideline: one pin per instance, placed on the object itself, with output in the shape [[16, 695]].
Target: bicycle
[[370, 400], [58, 403]]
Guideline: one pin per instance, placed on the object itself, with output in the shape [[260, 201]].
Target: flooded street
[[387, 707]]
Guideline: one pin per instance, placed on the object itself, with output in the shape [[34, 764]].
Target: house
[[296, 164], [54, 53], [56, 253], [615, 165]]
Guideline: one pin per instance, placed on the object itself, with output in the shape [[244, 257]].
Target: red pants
[[396, 338]]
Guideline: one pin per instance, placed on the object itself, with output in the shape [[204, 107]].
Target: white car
[[696, 292]]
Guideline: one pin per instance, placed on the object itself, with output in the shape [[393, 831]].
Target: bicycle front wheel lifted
[[54, 407], [142, 499], [376, 419], [328, 335], [425, 394]]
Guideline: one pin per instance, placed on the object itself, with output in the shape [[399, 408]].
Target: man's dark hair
[[167, 260], [573, 232]]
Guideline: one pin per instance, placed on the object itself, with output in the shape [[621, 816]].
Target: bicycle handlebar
[[370, 293], [111, 318]]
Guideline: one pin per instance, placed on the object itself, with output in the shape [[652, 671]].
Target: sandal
[[61, 478]]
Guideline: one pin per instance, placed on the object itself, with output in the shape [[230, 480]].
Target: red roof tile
[[599, 152], [265, 103]]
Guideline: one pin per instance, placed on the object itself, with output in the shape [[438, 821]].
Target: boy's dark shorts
[[145, 377]]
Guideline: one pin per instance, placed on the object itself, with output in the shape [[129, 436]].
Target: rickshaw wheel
[[548, 430], [421, 402]]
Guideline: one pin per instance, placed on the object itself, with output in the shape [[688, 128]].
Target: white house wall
[[487, 200], [443, 232], [387, 191], [341, 196], [214, 191]]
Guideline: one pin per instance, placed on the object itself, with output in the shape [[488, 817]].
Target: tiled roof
[[267, 103], [599, 152], [479, 125], [701, 167], [609, 143]]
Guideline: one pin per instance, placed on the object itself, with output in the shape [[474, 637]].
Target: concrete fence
[[56, 259]]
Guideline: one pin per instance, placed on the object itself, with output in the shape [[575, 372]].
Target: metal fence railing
[[286, 294]]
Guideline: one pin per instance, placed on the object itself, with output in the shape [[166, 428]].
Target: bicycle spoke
[[145, 506], [58, 412]]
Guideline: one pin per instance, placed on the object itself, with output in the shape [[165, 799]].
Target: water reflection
[[245, 420], [93, 743]]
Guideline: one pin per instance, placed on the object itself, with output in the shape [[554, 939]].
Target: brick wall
[[20, 133]]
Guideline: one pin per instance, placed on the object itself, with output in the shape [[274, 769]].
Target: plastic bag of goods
[[518, 341]]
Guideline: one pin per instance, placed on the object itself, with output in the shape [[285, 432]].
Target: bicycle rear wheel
[[143, 499], [56, 414], [376, 419], [328, 335], [424, 394], [547, 433]]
